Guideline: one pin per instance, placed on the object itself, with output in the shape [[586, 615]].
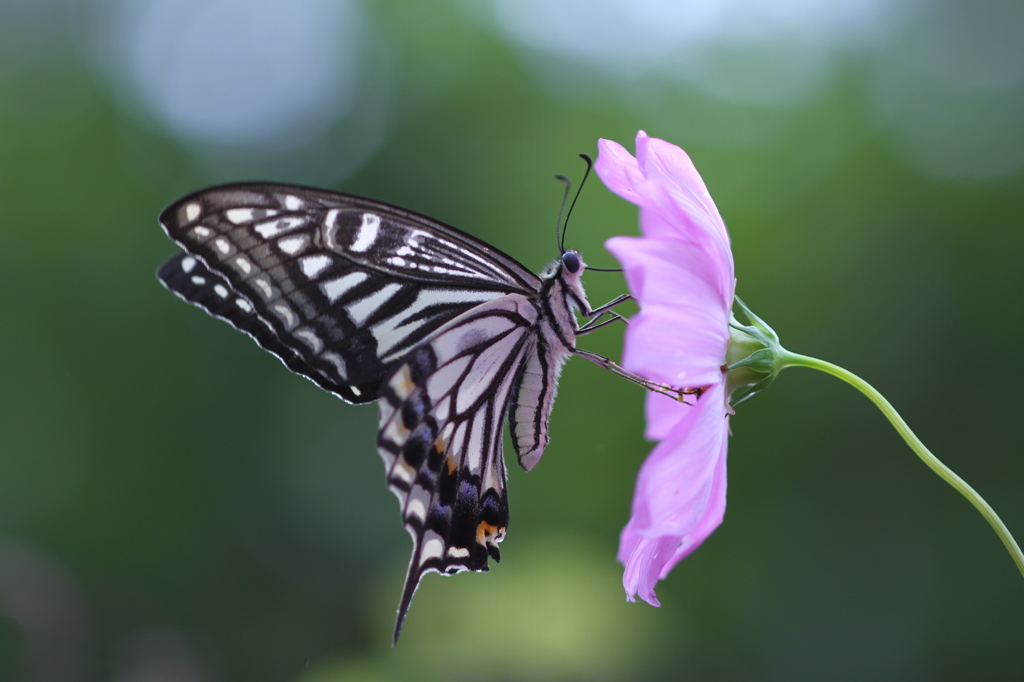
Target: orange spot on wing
[[487, 534]]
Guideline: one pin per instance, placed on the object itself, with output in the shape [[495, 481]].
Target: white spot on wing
[[221, 290], [292, 202], [198, 281], [192, 212], [292, 245], [329, 228], [359, 311], [222, 245], [417, 503], [401, 383], [285, 314], [188, 263], [243, 264], [239, 215], [314, 265], [416, 509], [338, 363], [272, 228], [265, 287], [395, 433], [458, 552], [336, 288], [459, 273], [402, 471], [309, 337], [367, 234], [331, 219], [355, 391], [432, 548], [244, 304], [201, 231]]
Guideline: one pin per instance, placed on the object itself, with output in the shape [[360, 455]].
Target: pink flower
[[682, 274]]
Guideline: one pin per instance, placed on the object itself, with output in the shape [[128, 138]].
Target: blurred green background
[[176, 506]]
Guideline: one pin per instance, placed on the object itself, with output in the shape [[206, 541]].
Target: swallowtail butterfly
[[376, 303]]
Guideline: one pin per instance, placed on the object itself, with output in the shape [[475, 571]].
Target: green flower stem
[[787, 359]]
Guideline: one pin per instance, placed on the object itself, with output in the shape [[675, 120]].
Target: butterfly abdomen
[[534, 394]]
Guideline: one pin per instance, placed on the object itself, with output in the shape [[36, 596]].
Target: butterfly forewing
[[346, 284]]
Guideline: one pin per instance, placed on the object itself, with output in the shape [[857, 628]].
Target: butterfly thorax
[[561, 297]]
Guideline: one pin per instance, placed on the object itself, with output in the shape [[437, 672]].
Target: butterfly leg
[[601, 309], [678, 394], [594, 325]]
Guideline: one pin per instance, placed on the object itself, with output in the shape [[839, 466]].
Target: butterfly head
[[568, 270], [571, 262]]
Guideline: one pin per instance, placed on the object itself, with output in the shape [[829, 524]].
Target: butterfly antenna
[[561, 212], [561, 242], [586, 174]]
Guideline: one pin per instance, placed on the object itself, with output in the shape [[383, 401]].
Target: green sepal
[[753, 356]]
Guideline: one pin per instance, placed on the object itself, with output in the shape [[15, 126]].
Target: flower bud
[[752, 359]]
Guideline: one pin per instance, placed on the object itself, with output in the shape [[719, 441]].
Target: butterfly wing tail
[[412, 582]]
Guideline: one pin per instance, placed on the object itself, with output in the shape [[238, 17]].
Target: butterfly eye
[[571, 262]]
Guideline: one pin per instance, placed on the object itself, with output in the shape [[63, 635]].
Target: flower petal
[[674, 484], [675, 203], [618, 170], [717, 253], [668, 166], [662, 414], [644, 559], [712, 519], [680, 495], [682, 331]]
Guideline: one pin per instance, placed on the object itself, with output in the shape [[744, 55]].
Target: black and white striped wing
[[191, 280], [441, 421], [339, 287]]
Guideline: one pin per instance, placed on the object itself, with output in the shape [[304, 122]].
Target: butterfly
[[373, 302]]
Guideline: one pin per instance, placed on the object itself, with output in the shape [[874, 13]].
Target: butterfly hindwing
[[441, 423], [346, 284]]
